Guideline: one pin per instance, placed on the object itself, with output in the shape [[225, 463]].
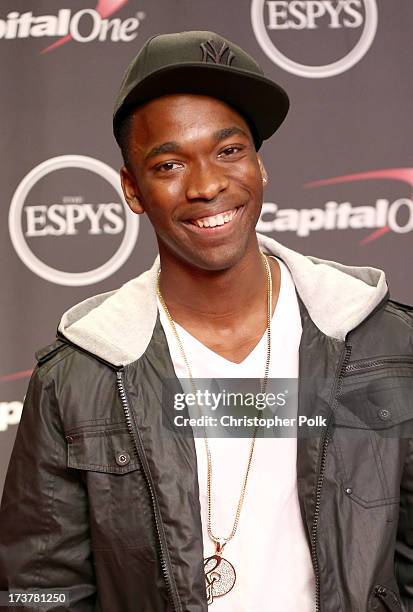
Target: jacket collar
[[117, 326]]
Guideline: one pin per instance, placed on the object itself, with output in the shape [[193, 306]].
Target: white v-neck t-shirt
[[269, 551]]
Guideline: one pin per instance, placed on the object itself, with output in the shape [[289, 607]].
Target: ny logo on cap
[[211, 52]]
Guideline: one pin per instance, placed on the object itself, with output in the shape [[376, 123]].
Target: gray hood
[[117, 326]]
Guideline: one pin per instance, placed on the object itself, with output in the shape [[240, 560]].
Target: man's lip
[[208, 213]]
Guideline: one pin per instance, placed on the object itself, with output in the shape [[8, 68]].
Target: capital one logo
[[90, 229], [307, 22], [380, 217], [83, 26]]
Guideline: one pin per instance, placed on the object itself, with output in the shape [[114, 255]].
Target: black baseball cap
[[202, 62]]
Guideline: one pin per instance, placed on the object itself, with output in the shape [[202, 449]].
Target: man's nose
[[205, 182]]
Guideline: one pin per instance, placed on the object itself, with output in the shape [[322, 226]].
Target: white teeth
[[219, 219]]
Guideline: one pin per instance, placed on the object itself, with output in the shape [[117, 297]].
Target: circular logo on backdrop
[[311, 38], [69, 222]]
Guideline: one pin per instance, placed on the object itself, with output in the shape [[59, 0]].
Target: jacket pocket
[[109, 450], [373, 421], [384, 599], [120, 511]]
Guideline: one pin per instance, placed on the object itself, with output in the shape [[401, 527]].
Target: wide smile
[[217, 224]]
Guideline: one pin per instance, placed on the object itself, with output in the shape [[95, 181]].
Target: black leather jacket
[[98, 502]]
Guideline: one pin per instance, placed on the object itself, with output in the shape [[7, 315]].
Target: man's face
[[192, 158]]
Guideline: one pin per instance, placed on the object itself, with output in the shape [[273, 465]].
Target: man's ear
[[263, 170], [130, 191]]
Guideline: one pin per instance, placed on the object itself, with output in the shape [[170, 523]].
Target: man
[[101, 501]]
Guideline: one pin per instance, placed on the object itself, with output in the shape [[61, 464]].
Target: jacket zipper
[[371, 364], [314, 530], [165, 563], [388, 598]]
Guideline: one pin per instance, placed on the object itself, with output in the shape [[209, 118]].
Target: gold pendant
[[220, 575]]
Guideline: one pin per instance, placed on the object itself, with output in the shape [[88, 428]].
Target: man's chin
[[208, 255], [218, 259]]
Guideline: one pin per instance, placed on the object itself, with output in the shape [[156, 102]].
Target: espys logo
[[314, 29], [383, 216], [76, 231], [10, 414], [84, 26]]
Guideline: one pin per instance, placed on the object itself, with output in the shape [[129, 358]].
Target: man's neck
[[219, 301]]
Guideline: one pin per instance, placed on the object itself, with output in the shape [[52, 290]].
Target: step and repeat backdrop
[[340, 168]]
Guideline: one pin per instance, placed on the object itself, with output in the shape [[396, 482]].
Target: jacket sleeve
[[44, 528], [404, 544]]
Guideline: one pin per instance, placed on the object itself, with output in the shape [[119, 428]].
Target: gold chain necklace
[[220, 574]]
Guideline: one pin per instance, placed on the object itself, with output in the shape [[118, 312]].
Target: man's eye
[[167, 166], [230, 150]]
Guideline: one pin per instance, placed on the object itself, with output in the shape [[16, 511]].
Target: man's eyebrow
[[165, 147], [230, 131], [172, 145]]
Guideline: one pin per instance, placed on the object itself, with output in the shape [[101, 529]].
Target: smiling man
[[104, 502]]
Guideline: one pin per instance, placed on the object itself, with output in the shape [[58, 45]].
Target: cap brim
[[263, 103]]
